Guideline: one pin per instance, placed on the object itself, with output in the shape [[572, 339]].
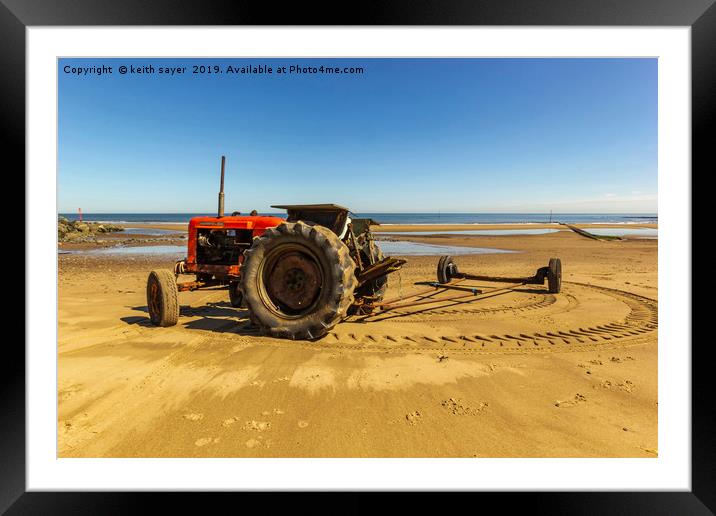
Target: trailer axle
[[552, 273]]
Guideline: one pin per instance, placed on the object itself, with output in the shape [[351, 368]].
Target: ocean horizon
[[399, 218]]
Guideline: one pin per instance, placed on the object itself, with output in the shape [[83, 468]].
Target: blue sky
[[406, 135]]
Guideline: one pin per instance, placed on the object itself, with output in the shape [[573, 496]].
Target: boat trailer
[[450, 278]]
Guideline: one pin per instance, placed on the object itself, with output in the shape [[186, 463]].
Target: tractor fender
[[345, 229]]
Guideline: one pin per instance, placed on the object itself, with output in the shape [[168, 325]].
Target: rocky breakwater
[[77, 231]]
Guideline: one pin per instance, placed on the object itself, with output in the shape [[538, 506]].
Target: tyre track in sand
[[638, 327], [543, 301]]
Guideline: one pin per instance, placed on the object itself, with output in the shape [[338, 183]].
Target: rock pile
[[77, 231]]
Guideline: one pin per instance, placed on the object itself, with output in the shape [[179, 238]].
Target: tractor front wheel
[[162, 298], [297, 281]]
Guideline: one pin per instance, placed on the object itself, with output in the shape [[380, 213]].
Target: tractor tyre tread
[[334, 302]]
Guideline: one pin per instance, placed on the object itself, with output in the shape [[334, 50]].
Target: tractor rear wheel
[[162, 298], [297, 280]]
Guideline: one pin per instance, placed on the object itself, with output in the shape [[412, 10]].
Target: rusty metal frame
[[473, 292], [378, 269], [196, 285], [537, 279]]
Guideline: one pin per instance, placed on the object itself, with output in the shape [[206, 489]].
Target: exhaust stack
[[221, 188]]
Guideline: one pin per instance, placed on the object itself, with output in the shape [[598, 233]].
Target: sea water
[[396, 218]]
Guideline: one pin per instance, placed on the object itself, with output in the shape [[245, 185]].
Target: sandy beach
[[523, 374]]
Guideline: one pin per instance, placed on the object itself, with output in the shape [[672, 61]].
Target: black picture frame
[[700, 15]]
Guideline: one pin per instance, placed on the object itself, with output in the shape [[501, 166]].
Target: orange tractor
[[297, 276]]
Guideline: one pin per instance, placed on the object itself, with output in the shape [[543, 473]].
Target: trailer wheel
[[446, 266], [162, 298], [235, 296], [554, 276], [297, 280]]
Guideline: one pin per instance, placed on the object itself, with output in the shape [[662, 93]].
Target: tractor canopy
[[362, 225], [331, 216]]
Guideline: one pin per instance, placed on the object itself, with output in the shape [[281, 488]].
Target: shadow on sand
[[218, 317]]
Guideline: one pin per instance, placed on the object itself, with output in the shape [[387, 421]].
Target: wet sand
[[523, 374]]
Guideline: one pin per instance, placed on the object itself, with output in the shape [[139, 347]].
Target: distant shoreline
[[423, 220], [385, 218], [407, 228]]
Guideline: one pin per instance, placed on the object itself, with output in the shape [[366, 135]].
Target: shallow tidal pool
[[388, 247]]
